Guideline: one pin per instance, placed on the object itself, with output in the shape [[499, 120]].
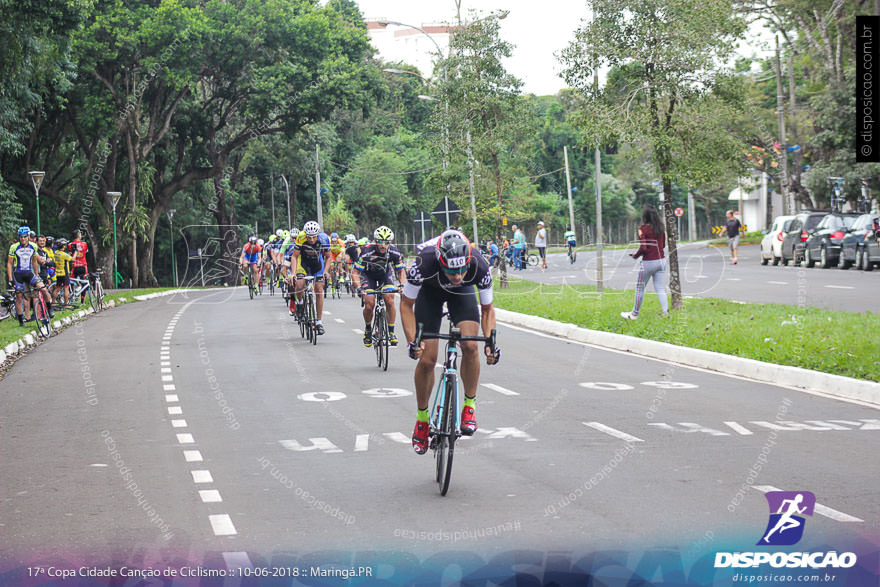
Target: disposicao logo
[[786, 525], [786, 528]]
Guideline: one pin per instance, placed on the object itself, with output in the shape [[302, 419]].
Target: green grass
[[786, 335], [10, 331]]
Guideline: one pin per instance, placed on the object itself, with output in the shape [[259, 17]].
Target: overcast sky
[[537, 30]]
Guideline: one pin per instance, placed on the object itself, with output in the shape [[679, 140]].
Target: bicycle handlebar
[[454, 335]]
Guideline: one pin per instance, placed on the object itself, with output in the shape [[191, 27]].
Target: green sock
[[470, 402], [422, 415]]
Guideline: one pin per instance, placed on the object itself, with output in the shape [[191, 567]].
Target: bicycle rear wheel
[[250, 284], [446, 441], [99, 294], [272, 280], [379, 335], [93, 297]]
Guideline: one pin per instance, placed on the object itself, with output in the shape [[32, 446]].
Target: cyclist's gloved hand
[[493, 356], [415, 352]]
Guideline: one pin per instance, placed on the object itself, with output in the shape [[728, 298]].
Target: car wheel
[[808, 259], [823, 258], [776, 260], [764, 260], [866, 260]]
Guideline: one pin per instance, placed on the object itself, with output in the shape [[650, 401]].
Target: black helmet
[[453, 251], [50, 240]]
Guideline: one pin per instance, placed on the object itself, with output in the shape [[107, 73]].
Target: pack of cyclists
[[448, 275], [44, 264]]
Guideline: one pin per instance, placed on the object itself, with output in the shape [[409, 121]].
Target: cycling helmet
[[311, 228], [62, 242], [50, 240], [286, 234], [33, 234], [363, 241], [334, 235], [383, 233], [453, 251], [261, 242], [293, 231], [349, 238], [252, 238], [279, 232], [24, 231]]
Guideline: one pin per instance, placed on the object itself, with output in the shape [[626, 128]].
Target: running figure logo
[[786, 525]]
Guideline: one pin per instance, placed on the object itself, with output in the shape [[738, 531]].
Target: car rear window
[[813, 221]]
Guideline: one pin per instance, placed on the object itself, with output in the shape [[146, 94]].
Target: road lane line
[[175, 411], [612, 431], [733, 279], [165, 348], [167, 378], [339, 320], [202, 476], [192, 456], [169, 387], [778, 282], [840, 287], [210, 496], [185, 439], [328, 312], [178, 423], [822, 510], [171, 397], [361, 442], [222, 525], [165, 370], [165, 364], [739, 428], [499, 389], [358, 331]]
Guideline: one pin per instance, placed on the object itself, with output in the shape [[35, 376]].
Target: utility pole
[[692, 221], [780, 110], [272, 181], [599, 274], [797, 156], [568, 185], [318, 185]]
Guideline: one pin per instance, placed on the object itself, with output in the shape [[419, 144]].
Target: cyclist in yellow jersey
[[62, 275], [311, 254]]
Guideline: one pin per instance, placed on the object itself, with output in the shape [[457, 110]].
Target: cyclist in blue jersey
[[311, 255], [23, 266], [251, 254], [375, 265]]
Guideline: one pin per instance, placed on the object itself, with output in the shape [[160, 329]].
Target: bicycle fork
[[439, 406]]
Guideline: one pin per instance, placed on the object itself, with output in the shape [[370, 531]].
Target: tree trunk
[[228, 234], [671, 243]]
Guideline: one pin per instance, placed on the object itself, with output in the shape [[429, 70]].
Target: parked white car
[[771, 244]]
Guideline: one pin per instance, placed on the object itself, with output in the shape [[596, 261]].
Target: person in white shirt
[[541, 243]]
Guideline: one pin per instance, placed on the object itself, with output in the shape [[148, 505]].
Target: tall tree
[[671, 49]]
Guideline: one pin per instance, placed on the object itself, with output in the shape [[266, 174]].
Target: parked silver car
[[771, 244]]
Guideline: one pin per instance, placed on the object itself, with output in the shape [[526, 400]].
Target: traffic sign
[[679, 212], [448, 209]]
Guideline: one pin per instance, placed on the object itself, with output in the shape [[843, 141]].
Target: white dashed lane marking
[[778, 282], [175, 411], [192, 456], [202, 476], [178, 423], [612, 432], [185, 438], [838, 287], [339, 320], [210, 496], [499, 389], [222, 525], [171, 397]]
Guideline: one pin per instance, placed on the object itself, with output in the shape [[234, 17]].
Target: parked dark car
[[799, 231], [823, 244], [860, 244]]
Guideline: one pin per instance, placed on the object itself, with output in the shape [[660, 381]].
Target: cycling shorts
[[62, 280], [461, 301], [79, 272], [22, 277], [252, 258], [310, 266], [381, 281]]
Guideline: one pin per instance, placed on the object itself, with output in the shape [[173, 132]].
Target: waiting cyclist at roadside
[[250, 255], [23, 267], [447, 272], [311, 253], [78, 249], [46, 259], [374, 268], [62, 273]]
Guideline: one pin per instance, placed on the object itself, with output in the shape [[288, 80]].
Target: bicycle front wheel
[[93, 297], [379, 337], [44, 323], [250, 284], [446, 444], [99, 294], [313, 319], [533, 260]]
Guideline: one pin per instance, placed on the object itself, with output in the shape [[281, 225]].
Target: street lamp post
[[287, 191], [170, 213], [37, 180], [114, 199]]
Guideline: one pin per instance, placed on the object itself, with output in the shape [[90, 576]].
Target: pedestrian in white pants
[[652, 241]]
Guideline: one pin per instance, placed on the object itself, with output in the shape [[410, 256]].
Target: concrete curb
[[816, 381]]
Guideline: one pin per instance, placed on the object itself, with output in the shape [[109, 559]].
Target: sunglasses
[[383, 242], [458, 271]]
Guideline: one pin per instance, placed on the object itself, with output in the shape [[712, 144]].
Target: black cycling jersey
[[426, 270], [374, 263], [353, 252]]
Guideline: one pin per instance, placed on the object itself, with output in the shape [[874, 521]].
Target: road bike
[[306, 314], [572, 254], [7, 304], [37, 305], [445, 425], [81, 288], [380, 331], [248, 279], [863, 204], [837, 197]]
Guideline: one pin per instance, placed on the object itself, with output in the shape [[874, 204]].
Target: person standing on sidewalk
[[541, 243], [652, 241], [519, 247], [732, 225]]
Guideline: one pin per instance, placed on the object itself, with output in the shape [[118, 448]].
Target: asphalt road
[[205, 430], [707, 272]]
